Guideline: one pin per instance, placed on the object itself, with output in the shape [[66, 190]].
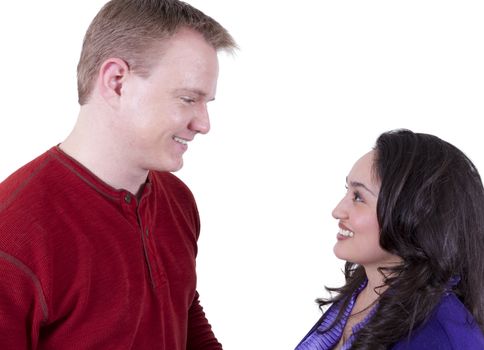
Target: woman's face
[[359, 232]]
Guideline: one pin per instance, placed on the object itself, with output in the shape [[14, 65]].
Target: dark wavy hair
[[430, 211]]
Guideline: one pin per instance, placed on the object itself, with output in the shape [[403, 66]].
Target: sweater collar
[[84, 174]]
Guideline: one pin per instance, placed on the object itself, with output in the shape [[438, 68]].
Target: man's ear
[[112, 75]]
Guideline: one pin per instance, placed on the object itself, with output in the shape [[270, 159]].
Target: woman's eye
[[357, 197]]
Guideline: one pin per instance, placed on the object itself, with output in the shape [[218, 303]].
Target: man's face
[[160, 114]]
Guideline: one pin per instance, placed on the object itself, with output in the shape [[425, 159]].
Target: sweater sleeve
[[200, 335], [22, 306]]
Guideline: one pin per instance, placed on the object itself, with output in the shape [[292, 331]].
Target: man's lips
[[181, 140]]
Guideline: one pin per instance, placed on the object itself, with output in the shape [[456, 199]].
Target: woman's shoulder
[[450, 327]]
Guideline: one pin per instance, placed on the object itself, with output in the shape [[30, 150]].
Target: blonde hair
[[129, 29]]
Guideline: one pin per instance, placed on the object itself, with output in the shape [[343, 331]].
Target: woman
[[411, 228]]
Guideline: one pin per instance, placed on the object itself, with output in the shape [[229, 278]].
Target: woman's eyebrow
[[359, 184]]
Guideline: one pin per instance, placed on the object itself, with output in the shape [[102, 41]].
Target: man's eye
[[187, 99]]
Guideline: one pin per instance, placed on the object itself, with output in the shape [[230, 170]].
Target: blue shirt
[[325, 335], [449, 327]]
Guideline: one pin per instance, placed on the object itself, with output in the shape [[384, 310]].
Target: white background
[[313, 85]]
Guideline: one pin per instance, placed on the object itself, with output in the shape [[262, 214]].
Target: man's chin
[[170, 168], [178, 166]]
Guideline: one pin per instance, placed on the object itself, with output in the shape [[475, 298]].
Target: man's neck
[[94, 145]]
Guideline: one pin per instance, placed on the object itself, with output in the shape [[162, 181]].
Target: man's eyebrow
[[195, 91], [359, 184]]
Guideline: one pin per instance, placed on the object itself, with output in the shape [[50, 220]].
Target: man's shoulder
[[24, 195], [450, 327], [172, 185], [30, 178], [167, 177]]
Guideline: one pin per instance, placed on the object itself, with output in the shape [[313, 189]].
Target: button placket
[[147, 258], [128, 204], [148, 251]]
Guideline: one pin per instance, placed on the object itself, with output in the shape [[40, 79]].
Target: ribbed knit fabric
[[86, 266], [325, 336]]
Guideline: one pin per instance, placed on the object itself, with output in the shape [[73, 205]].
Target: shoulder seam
[[12, 197], [31, 275]]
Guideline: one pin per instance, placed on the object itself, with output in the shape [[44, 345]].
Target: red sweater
[[85, 266]]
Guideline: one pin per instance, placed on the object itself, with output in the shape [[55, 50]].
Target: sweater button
[[127, 198]]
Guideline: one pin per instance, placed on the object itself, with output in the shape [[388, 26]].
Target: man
[[97, 239]]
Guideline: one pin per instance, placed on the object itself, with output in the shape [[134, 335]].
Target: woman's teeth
[[345, 233]]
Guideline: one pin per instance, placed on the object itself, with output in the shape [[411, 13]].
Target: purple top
[[449, 327], [322, 337]]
